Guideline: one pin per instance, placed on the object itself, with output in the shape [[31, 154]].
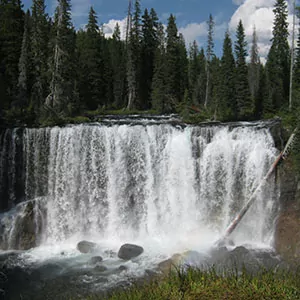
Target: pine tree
[[134, 53], [201, 84], [226, 105], [39, 45], [25, 65], [253, 71], [118, 67], [243, 99], [278, 61], [158, 95], [60, 101], [11, 35], [194, 71], [296, 69], [209, 56], [173, 85], [262, 105], [148, 47], [91, 65]]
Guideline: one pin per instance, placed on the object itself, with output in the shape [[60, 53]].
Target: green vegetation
[[195, 284], [51, 72]]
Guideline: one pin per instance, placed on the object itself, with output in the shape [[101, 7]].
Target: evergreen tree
[[209, 56], [90, 60], [253, 71], [226, 105], [118, 67], [39, 46], [216, 86], [262, 105], [11, 35], [278, 61], [61, 100], [25, 65], [173, 77], [194, 71], [296, 69], [148, 47], [158, 95], [201, 85], [243, 99], [134, 53], [182, 67]]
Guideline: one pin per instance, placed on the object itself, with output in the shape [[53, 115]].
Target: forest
[[51, 72]]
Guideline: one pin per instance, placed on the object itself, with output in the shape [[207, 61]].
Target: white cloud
[[258, 13], [193, 31], [109, 27]]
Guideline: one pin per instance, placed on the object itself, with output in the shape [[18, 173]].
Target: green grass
[[195, 284]]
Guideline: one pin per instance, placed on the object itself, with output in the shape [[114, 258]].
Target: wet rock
[[100, 268], [96, 259], [123, 268], [194, 258], [128, 251], [168, 264], [86, 247]]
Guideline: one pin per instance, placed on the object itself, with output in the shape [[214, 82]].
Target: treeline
[[51, 71]]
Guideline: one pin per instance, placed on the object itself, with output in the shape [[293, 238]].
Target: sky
[[191, 17]]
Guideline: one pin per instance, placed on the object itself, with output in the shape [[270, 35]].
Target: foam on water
[[167, 188]]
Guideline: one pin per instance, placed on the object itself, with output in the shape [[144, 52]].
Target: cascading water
[[156, 184]]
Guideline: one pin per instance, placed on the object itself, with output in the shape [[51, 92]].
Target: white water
[[163, 187]]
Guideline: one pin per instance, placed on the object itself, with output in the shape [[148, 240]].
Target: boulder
[[86, 247], [100, 268], [167, 265], [95, 259], [128, 251]]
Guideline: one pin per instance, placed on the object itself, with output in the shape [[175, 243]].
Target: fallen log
[[283, 154]]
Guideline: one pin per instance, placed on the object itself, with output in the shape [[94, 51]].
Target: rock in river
[[86, 247], [128, 251]]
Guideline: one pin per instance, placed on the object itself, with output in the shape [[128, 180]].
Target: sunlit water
[[166, 188]]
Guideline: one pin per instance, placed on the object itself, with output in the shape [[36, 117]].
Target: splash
[[169, 188]]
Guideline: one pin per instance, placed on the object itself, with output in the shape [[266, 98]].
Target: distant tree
[[227, 106], [149, 44], [61, 100], [253, 72], [278, 61], [296, 70], [134, 55], [182, 67], [244, 102], [209, 56], [194, 71], [158, 94], [117, 57], [262, 104], [91, 77], [11, 35], [25, 63], [39, 47], [173, 77]]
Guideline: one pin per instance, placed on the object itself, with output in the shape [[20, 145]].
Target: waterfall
[[135, 181]]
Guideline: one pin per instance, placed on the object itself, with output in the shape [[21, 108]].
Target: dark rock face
[[86, 247], [128, 251]]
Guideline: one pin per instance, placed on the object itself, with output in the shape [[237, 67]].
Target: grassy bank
[[196, 284]]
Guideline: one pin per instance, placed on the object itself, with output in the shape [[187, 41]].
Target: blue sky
[[191, 16]]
